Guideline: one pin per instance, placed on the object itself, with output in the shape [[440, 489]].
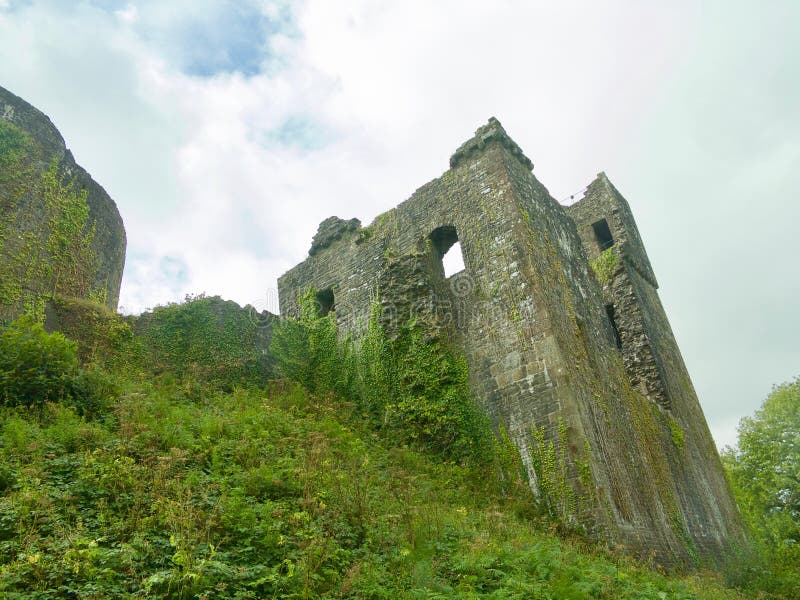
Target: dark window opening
[[602, 233], [324, 302], [448, 249], [612, 318], [443, 239]]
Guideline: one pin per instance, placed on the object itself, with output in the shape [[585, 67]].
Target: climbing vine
[[52, 251], [412, 388], [70, 235], [204, 339]]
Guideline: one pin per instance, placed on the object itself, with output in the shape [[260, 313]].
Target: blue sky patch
[[234, 41], [203, 38], [299, 132]]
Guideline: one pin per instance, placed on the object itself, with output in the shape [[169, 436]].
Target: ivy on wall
[[412, 388], [46, 232], [205, 339], [17, 152]]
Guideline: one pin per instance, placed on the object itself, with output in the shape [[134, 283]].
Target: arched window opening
[[448, 249]]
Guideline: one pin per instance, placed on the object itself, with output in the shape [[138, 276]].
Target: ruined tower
[[574, 359], [61, 235]]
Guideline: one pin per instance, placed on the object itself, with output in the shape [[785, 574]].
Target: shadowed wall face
[[584, 375]]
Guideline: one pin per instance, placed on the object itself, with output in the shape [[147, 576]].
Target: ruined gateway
[[556, 353]]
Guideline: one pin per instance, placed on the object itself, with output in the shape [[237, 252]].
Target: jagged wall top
[[491, 132]]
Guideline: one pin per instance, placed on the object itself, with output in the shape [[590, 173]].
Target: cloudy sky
[[226, 130]]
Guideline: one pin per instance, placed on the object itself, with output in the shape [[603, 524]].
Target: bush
[[37, 367], [92, 392]]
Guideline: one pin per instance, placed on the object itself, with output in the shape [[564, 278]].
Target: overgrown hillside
[[201, 485], [275, 493]]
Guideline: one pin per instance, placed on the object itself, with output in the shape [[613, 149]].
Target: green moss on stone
[[605, 265]]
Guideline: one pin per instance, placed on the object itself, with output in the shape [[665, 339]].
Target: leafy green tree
[[764, 470]]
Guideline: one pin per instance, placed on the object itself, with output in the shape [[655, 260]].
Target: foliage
[[306, 347], [764, 470], [413, 389], [427, 401], [205, 339], [37, 367], [16, 152], [51, 254], [271, 494], [103, 337], [70, 235], [676, 432], [605, 265], [554, 492]]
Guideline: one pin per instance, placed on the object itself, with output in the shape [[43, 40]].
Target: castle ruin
[[569, 349]]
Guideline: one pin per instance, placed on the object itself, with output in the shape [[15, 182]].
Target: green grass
[[268, 493]]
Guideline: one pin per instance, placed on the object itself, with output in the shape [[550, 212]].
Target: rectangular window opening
[[602, 233]]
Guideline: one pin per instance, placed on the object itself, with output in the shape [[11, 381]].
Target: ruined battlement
[[569, 349], [492, 132]]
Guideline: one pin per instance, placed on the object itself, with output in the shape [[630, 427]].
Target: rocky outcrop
[[60, 232]]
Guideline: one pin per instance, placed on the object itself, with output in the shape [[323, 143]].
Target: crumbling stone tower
[[48, 246], [581, 369]]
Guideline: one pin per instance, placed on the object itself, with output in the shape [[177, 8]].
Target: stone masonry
[[588, 372], [24, 220]]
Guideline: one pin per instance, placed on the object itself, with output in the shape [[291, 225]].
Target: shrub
[[35, 366], [38, 367], [92, 392]]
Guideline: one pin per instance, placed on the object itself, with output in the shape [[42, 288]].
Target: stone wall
[[654, 364], [34, 159], [603, 449]]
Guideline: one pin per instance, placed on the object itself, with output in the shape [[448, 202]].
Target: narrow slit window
[[602, 233], [612, 318]]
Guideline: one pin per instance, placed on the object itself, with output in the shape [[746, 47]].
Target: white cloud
[[129, 14]]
